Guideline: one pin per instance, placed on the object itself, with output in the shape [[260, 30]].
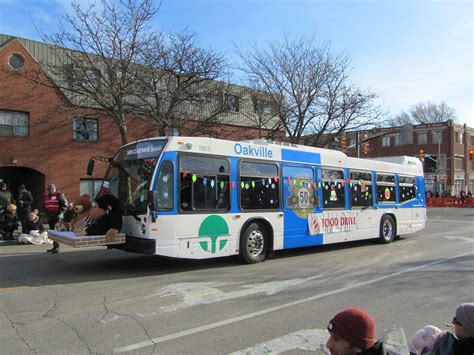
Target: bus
[[198, 197]]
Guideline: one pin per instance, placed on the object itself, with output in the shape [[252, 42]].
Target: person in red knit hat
[[352, 331]]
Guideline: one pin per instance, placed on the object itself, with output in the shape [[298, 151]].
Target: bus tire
[[253, 244], [388, 229]]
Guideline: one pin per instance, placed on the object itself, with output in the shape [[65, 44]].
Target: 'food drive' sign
[[332, 222]]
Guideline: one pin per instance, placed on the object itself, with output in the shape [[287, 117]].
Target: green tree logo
[[212, 228]]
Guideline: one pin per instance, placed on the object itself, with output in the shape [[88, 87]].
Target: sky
[[406, 51]]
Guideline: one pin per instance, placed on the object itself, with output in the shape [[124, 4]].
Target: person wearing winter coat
[[24, 201], [6, 197], [461, 342], [351, 332], [33, 223], [34, 232], [55, 203]]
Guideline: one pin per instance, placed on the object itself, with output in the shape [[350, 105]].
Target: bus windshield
[[129, 175]]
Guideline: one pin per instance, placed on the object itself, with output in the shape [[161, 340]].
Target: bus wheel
[[253, 246], [387, 229]]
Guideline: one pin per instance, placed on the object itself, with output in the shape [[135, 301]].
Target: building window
[[458, 163], [230, 102], [14, 124], [399, 139], [87, 79], [386, 141], [259, 186], [173, 131], [16, 62], [90, 80], [422, 138], [85, 129], [90, 187], [458, 137], [261, 106], [333, 188], [437, 137]]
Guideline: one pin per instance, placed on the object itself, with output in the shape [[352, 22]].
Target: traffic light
[[471, 154], [366, 144], [343, 142], [366, 148], [446, 179], [422, 155]]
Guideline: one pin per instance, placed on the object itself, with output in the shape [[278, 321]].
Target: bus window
[[361, 189], [407, 188], [299, 189], [333, 188], [259, 186], [204, 183], [164, 187], [386, 188]]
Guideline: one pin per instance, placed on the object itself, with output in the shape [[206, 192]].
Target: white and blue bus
[[197, 197]]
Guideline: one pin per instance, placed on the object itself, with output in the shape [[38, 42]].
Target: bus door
[[300, 199]]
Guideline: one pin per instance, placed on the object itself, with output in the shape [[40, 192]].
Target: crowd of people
[[463, 195], [17, 212], [352, 332]]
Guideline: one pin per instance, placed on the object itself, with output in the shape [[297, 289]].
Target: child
[[424, 339]]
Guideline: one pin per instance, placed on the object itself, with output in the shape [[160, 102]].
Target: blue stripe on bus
[[296, 232], [299, 156]]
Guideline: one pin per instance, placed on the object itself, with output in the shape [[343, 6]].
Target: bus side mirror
[[90, 167], [152, 200]]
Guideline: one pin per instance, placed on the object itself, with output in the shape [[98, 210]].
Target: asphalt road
[[105, 301]]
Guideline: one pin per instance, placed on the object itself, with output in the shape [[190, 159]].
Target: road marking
[[224, 322], [395, 342], [305, 339], [465, 239], [197, 293], [450, 221], [13, 288]]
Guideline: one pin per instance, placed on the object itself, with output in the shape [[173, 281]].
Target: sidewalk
[[12, 247]]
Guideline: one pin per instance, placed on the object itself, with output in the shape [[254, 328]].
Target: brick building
[[445, 147], [40, 142]]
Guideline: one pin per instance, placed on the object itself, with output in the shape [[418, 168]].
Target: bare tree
[[97, 69], [401, 119], [424, 113], [309, 89], [177, 83]]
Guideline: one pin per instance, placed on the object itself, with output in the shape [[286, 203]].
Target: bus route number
[[204, 148]]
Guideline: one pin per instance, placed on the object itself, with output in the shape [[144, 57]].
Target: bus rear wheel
[[254, 244], [388, 229]]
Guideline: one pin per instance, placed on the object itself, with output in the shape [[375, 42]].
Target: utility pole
[[358, 144], [438, 162]]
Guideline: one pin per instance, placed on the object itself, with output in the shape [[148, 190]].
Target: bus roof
[[282, 151]]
